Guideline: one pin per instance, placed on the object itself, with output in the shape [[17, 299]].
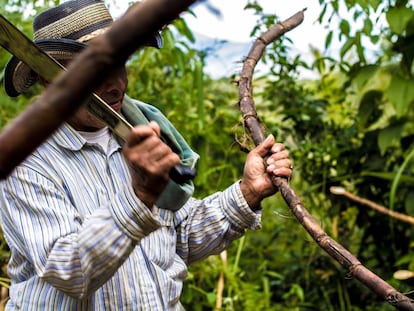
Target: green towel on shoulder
[[136, 112]]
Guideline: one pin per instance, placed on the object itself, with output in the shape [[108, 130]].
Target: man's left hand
[[256, 183]]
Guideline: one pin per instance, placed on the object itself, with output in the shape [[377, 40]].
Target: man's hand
[[150, 160], [256, 183]]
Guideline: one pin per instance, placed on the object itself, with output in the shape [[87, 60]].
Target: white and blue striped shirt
[[81, 240]]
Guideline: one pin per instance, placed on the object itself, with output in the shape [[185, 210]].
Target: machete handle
[[181, 174]]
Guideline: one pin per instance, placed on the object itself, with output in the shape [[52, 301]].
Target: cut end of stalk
[[337, 190], [403, 274]]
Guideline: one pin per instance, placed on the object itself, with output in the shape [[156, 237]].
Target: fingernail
[[276, 149]]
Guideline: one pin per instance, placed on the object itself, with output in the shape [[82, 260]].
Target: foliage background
[[351, 127]]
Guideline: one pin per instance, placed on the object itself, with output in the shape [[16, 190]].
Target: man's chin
[[99, 124], [93, 125]]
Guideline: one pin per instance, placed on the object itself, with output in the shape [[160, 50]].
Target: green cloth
[[175, 195]]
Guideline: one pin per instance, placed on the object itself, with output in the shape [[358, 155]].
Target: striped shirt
[[81, 240]]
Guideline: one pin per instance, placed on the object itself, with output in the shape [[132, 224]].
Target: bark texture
[[255, 127]]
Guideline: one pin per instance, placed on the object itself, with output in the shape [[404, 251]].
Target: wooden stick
[[253, 123], [379, 208], [68, 91], [220, 282]]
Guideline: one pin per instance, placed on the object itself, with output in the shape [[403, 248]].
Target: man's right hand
[[150, 162]]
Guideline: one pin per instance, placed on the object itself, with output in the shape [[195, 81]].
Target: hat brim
[[18, 76]]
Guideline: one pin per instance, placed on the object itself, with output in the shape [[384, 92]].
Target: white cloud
[[236, 23]]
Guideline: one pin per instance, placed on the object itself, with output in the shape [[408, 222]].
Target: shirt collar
[[67, 137]]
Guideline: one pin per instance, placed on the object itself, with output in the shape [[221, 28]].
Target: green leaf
[[396, 181], [389, 136], [374, 4], [398, 18], [368, 107], [363, 75], [335, 6], [323, 12], [345, 28], [348, 45], [328, 39], [367, 27], [181, 25], [360, 48], [254, 6], [409, 203], [211, 298], [401, 94], [168, 39], [349, 4], [389, 176]]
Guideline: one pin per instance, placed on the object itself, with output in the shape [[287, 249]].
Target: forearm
[[214, 222], [81, 262], [74, 252]]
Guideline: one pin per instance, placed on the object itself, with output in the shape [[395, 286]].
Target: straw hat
[[62, 32]]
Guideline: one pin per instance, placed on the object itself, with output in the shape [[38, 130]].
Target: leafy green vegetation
[[351, 127]]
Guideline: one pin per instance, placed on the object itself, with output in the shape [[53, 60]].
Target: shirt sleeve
[[73, 254], [211, 224]]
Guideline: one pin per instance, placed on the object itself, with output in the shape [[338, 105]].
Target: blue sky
[[235, 24]]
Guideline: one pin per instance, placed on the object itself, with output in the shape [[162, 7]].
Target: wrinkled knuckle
[[133, 157]]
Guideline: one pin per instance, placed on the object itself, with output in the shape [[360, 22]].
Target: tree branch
[[253, 123], [373, 205]]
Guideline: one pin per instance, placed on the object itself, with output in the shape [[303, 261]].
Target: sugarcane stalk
[[256, 129]]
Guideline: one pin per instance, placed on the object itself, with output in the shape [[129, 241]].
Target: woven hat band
[[92, 35], [62, 32], [78, 24]]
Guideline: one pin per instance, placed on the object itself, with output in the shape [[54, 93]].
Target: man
[[96, 224]]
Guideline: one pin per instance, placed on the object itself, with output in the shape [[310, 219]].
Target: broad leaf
[[401, 94], [398, 18], [368, 108], [389, 136]]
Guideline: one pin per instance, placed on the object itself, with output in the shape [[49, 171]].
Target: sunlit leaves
[[349, 43], [368, 28], [345, 27], [361, 75], [183, 29], [398, 18], [401, 94], [328, 39]]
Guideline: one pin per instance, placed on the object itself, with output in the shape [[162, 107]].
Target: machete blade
[[13, 40]]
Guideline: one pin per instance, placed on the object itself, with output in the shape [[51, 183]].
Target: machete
[[18, 44]]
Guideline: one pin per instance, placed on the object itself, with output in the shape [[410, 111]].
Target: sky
[[235, 24]]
